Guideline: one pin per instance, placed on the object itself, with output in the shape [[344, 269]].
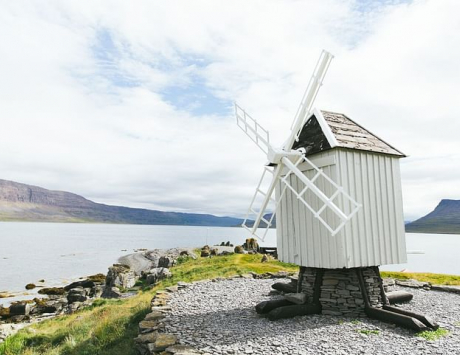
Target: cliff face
[[445, 218], [21, 202], [16, 192]]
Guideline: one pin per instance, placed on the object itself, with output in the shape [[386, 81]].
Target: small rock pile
[[60, 300]]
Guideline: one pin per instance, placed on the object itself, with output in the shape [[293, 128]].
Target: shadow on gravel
[[223, 327]]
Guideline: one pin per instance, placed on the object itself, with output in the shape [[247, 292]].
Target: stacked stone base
[[339, 290]]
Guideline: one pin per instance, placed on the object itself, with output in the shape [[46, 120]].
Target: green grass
[[435, 279], [433, 335], [109, 326]]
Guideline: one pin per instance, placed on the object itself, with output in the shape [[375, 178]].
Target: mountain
[[444, 219], [21, 202]]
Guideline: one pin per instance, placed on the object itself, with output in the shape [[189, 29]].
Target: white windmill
[[285, 161], [338, 201]]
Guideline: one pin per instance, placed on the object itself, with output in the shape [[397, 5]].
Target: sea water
[[61, 252]]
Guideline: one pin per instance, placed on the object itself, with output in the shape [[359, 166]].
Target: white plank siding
[[374, 236]]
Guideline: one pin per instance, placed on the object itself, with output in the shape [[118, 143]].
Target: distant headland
[[22, 202], [445, 219]]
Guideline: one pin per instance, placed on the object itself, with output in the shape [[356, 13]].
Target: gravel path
[[219, 318]]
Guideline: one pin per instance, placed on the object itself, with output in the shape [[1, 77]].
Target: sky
[[131, 103]]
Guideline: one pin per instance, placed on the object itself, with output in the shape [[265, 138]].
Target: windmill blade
[[253, 130], [326, 201], [261, 200], [309, 96]]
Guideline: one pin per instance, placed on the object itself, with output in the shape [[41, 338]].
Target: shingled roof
[[325, 130]]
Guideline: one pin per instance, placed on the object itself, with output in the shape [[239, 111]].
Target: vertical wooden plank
[[362, 237], [283, 255], [399, 211], [289, 239], [296, 221], [392, 237], [279, 220], [367, 179]]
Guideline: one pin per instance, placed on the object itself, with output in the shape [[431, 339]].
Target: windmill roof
[[325, 130]]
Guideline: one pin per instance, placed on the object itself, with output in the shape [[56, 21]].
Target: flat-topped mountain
[[22, 202], [444, 219]]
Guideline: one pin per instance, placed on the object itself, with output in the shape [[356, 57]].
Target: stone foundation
[[339, 290]]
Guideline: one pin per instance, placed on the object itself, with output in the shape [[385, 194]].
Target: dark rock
[[77, 294], [264, 258], [157, 274], [205, 253], [166, 261], [20, 309], [111, 292], [444, 288], [239, 249], [84, 283], [56, 291], [399, 296], [285, 287], [267, 306], [293, 311], [413, 283], [30, 286]]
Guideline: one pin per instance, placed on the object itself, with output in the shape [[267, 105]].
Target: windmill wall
[[374, 236]]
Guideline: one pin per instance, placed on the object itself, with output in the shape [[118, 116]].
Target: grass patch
[[435, 279], [433, 335], [369, 331], [109, 326]]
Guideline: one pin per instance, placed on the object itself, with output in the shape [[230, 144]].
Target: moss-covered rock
[[58, 291], [98, 278]]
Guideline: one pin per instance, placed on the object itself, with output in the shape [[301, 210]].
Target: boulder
[[166, 261], [120, 275], [157, 274], [84, 283], [285, 287], [267, 306], [163, 341], [205, 253], [55, 291], [30, 286], [264, 258], [399, 296], [239, 249], [111, 292], [413, 283], [293, 311], [19, 309], [77, 294]]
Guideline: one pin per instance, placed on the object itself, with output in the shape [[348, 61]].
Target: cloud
[[130, 103]]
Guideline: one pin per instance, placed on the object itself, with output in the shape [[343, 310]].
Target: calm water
[[61, 252]]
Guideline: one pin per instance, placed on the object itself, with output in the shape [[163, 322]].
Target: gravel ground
[[219, 318]]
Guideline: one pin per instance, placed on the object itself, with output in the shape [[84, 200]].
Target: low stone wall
[[340, 292]]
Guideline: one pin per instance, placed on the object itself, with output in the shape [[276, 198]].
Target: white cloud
[[87, 93]]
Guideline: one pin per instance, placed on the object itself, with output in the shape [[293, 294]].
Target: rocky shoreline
[[120, 282]]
